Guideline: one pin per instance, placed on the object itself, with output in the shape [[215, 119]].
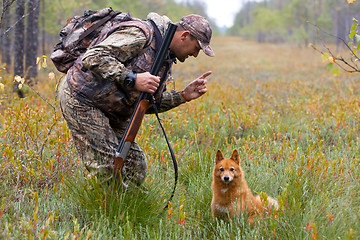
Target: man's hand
[[196, 88], [145, 82]]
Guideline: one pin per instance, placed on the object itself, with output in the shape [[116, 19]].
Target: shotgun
[[142, 105]]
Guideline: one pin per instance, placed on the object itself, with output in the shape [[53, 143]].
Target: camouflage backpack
[[80, 32]]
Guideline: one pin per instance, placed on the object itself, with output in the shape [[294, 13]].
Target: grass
[[294, 124]]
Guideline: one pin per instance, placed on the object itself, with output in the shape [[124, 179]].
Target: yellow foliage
[[20, 80], [332, 59], [51, 75], [44, 64]]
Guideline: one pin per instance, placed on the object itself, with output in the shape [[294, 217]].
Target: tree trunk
[[6, 39], [19, 43], [339, 27], [32, 43], [5, 7], [43, 27]]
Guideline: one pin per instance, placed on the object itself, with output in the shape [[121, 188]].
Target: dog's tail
[[268, 202], [273, 203]]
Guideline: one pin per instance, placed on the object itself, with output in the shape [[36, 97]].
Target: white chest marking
[[221, 208], [224, 190]]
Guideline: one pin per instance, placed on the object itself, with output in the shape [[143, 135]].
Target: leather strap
[[98, 24], [171, 152]]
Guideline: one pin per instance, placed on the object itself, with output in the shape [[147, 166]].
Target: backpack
[[80, 32]]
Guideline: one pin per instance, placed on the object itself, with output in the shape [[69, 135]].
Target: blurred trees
[[21, 21], [294, 20], [268, 20], [20, 30]]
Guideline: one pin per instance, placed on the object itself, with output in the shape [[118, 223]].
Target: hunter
[[100, 91]]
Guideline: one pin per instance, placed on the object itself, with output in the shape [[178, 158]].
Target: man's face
[[187, 46]]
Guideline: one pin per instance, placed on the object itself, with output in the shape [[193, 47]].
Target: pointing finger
[[204, 75]]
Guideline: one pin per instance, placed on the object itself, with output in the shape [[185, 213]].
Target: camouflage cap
[[199, 28]]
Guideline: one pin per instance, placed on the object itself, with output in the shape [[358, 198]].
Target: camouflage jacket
[[98, 77]]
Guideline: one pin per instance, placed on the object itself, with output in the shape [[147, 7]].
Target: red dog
[[231, 194]]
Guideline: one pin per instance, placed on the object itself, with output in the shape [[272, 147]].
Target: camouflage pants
[[96, 140]]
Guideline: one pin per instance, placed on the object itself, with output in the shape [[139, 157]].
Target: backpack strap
[[145, 28], [157, 35], [98, 24]]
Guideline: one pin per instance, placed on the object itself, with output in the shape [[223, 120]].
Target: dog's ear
[[235, 156], [219, 156]]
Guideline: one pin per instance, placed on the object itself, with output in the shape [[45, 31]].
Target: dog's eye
[[221, 169], [232, 169]]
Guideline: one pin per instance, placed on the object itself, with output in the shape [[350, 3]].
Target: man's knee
[[135, 167]]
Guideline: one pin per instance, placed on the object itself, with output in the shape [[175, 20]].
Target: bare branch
[[5, 6], [346, 65], [18, 20]]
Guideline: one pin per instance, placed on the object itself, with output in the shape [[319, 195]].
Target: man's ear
[[235, 156], [185, 34], [219, 156]]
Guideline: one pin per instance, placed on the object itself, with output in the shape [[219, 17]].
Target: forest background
[[271, 96], [30, 28]]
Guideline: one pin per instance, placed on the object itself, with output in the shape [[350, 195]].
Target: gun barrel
[[161, 54]]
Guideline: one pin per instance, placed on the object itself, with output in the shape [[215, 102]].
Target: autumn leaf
[[17, 78], [335, 71], [170, 210], [308, 227], [51, 75], [331, 217], [350, 1], [181, 214], [44, 64], [326, 57], [332, 59]]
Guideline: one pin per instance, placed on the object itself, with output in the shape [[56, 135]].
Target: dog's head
[[227, 169]]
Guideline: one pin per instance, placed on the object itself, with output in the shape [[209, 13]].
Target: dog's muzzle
[[226, 179]]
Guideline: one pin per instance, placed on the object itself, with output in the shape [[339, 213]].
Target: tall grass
[[294, 124]]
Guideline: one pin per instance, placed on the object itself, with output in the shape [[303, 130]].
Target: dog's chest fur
[[225, 196], [229, 198]]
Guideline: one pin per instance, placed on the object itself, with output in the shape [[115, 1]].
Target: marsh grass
[[294, 124]]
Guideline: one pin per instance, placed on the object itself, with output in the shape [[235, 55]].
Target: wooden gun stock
[[142, 105], [129, 135]]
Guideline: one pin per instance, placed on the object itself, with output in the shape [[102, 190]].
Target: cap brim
[[207, 49]]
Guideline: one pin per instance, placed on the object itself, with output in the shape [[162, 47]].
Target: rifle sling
[[158, 39], [171, 152]]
